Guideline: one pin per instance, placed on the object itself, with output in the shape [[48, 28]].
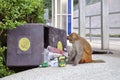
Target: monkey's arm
[[72, 54], [79, 49]]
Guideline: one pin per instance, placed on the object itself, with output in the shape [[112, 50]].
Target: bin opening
[[46, 37]]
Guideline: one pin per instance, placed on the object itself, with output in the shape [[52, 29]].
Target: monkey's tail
[[98, 61]]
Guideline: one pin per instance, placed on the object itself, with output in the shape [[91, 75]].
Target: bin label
[[59, 45], [24, 44]]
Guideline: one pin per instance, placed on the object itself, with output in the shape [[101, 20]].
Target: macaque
[[81, 51]]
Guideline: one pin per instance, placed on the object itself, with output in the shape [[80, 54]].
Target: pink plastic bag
[[55, 50]]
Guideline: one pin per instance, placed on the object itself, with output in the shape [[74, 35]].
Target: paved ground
[[110, 70]]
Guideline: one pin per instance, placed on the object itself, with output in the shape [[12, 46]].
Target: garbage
[[55, 50], [54, 57], [44, 64], [54, 62], [62, 61]]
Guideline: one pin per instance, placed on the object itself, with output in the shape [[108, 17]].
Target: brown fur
[[81, 51]]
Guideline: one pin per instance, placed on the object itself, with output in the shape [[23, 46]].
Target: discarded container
[[43, 65], [62, 61]]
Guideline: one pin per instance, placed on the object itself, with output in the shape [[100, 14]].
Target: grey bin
[[36, 37]]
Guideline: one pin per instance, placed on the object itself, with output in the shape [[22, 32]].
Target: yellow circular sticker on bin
[[24, 44], [59, 45]]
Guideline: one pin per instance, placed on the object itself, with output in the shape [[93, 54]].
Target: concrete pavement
[[110, 70]]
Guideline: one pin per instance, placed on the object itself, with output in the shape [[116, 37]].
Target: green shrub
[[14, 13], [17, 12], [4, 71]]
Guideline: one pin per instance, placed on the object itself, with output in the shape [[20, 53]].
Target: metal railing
[[90, 28]]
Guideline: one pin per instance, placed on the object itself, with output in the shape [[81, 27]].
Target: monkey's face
[[70, 39], [73, 37]]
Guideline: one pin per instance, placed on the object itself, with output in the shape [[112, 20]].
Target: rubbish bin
[[26, 43]]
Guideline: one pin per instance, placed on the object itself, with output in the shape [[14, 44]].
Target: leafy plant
[[4, 71], [17, 12], [14, 13]]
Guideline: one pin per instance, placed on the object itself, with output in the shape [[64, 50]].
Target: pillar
[[104, 24]]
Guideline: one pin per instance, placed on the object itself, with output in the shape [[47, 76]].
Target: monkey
[[81, 51], [71, 54]]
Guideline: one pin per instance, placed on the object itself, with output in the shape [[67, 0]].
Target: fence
[[90, 29]]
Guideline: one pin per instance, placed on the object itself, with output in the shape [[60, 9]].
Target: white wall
[[114, 6]]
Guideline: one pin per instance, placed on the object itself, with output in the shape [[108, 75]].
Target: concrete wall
[[93, 17]]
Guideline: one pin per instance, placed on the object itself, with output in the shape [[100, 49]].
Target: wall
[[93, 17]]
